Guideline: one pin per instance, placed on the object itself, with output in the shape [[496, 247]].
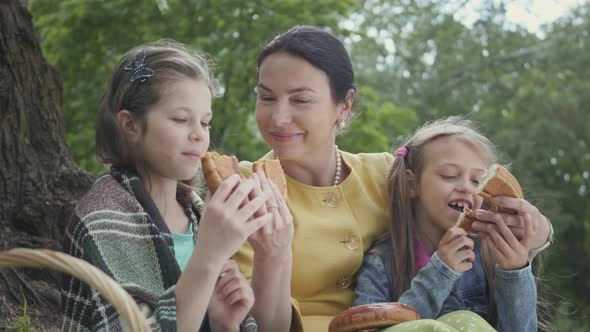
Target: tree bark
[[39, 181]]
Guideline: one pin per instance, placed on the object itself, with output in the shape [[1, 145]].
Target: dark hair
[[170, 61], [321, 49]]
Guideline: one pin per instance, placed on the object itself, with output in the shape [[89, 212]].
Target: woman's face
[[295, 110]]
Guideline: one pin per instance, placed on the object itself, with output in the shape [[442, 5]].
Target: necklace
[[338, 175]]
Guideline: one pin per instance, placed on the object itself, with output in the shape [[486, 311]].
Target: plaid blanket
[[117, 227]]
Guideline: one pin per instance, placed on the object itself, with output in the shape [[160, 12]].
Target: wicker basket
[[131, 316]]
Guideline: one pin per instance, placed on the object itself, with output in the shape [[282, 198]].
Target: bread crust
[[497, 181], [273, 170], [372, 316], [466, 220], [217, 168]]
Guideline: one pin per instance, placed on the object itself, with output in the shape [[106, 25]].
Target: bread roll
[[273, 170], [497, 181], [372, 316], [217, 168], [466, 219]]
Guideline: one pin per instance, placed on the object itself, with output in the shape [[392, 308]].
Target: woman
[[337, 199]]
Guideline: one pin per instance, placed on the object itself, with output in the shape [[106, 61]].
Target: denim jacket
[[437, 289]]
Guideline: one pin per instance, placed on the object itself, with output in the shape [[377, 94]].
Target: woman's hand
[[274, 238], [510, 253], [231, 301], [526, 213], [228, 218], [456, 250], [272, 264]]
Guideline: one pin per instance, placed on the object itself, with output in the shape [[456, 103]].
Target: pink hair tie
[[402, 152]]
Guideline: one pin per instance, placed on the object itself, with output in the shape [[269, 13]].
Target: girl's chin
[[187, 174]]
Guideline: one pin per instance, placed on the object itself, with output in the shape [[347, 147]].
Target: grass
[[23, 323]]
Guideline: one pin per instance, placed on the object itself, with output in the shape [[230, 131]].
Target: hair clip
[[139, 69], [402, 151]]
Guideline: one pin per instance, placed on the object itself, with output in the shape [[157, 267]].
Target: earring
[[341, 124]]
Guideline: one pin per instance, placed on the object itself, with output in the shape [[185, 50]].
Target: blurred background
[[520, 68]]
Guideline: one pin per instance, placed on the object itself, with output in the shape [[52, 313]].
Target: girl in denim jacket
[[437, 268]]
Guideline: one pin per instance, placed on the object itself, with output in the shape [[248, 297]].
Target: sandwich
[[273, 170], [217, 168], [497, 181]]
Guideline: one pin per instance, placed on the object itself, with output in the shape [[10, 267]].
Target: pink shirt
[[422, 255]]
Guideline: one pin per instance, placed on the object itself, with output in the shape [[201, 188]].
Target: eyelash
[[301, 102], [267, 99], [182, 120], [451, 177]]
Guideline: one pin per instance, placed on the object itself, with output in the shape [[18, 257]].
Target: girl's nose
[[466, 185], [197, 132]]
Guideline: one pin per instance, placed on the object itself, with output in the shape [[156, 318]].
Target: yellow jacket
[[334, 227]]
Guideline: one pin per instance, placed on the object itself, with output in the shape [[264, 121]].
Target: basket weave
[[131, 316]]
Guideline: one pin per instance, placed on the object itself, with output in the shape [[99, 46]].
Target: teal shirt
[[184, 244]]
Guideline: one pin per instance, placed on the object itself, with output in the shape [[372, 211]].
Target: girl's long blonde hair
[[403, 230]]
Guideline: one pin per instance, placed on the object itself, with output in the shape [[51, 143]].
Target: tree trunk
[[39, 181]]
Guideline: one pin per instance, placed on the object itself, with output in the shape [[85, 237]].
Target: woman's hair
[[322, 50], [403, 214], [169, 61]]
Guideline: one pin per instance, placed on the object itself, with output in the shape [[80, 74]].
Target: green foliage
[[85, 39], [378, 126], [23, 322]]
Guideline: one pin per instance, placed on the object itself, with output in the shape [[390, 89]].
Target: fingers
[[248, 209], [509, 253], [528, 231], [512, 220], [226, 188], [460, 261], [257, 192], [256, 223], [272, 202], [460, 243], [231, 286], [282, 205], [499, 242], [519, 205], [496, 225], [488, 219], [456, 250], [229, 271], [451, 234], [494, 249], [240, 194]]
